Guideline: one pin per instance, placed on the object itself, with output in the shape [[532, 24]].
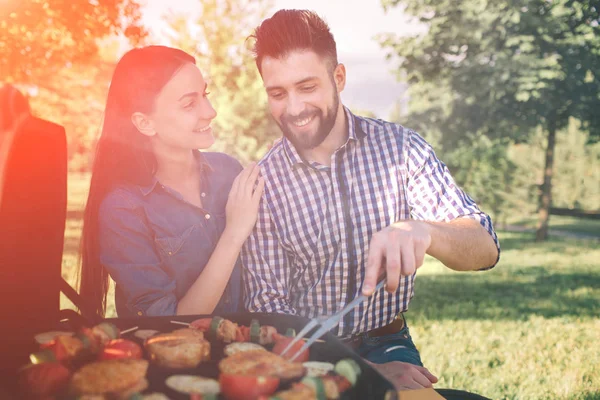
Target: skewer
[[129, 330], [180, 323], [187, 324]]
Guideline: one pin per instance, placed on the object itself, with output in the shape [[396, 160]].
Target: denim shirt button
[[140, 313], [207, 216], [203, 194]]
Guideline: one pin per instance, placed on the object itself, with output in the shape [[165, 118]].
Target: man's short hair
[[290, 30]]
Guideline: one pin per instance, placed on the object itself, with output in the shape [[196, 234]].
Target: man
[[346, 199]]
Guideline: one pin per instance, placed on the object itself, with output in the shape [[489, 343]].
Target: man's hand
[[400, 249], [405, 376]]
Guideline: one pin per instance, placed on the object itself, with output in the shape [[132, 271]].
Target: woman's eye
[[190, 105]]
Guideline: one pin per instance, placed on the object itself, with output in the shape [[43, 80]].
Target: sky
[[371, 83]]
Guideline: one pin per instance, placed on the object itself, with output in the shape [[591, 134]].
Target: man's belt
[[394, 327]]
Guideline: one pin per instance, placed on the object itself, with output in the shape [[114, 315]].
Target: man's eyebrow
[[192, 94], [310, 78], [300, 82]]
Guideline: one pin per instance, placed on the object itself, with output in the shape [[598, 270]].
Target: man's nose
[[295, 105]]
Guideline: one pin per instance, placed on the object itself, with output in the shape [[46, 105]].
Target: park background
[[507, 92]]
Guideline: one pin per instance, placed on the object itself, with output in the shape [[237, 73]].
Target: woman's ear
[[143, 123]]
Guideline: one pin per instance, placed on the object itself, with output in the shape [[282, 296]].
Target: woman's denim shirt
[[155, 244]]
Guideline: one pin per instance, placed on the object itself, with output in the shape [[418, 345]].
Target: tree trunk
[[546, 193]]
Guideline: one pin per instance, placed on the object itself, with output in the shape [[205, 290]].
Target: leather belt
[[394, 327]]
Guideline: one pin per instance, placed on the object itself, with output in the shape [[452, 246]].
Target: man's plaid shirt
[[308, 252]]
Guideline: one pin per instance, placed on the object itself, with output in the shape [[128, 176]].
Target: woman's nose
[[208, 111]]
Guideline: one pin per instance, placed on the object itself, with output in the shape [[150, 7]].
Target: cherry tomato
[[203, 324], [57, 348], [121, 348], [45, 379], [243, 334], [281, 344], [247, 387]]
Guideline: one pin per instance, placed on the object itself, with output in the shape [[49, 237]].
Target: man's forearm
[[462, 244]]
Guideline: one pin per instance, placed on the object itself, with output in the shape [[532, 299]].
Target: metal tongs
[[326, 322]]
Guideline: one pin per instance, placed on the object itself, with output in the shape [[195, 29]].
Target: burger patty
[[110, 376], [261, 363], [183, 348]]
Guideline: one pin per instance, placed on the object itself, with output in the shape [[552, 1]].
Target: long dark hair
[[123, 154]]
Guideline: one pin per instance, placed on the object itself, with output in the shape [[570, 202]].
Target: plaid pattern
[[308, 251]]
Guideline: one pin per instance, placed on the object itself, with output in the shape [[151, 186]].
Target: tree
[[218, 41], [75, 98], [38, 38], [486, 173], [502, 68]]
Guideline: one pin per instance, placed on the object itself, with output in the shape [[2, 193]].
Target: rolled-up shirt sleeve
[[127, 251], [433, 195]]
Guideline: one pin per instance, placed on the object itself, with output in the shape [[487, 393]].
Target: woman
[[166, 221]]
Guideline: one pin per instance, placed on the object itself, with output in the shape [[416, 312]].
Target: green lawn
[[528, 329]]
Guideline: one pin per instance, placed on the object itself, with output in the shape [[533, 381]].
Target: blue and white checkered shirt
[[308, 251]]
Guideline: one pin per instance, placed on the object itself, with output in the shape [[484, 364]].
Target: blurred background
[[507, 92]]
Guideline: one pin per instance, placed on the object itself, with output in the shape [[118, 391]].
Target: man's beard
[[308, 141]]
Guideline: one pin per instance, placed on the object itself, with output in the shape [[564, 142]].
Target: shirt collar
[[203, 165], [355, 133]]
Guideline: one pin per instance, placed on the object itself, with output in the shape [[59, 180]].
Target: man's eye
[[309, 88], [276, 95]]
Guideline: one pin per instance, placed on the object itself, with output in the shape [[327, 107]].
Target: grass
[[528, 329], [561, 223]]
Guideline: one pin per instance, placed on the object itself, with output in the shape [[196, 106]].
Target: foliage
[[486, 173], [577, 173], [62, 54], [503, 68], [504, 178], [75, 99], [38, 38]]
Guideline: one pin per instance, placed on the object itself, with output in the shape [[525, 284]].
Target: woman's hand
[[242, 204]]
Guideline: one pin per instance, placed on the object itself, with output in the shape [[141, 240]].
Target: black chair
[[32, 225]]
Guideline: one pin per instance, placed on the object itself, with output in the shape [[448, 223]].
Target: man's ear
[[339, 76], [143, 123]]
